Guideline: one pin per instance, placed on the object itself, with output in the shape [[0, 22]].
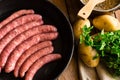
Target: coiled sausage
[[15, 42], [39, 63], [15, 15], [12, 59], [29, 52]]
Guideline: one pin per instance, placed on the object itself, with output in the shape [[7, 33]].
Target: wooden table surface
[[70, 9], [71, 72]]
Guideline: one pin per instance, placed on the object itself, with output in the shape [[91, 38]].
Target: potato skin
[[106, 22], [87, 53], [77, 27]]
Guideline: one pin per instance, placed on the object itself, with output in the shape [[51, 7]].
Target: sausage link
[[17, 22], [20, 38], [12, 34], [30, 60], [15, 15], [39, 63], [12, 59], [29, 52]]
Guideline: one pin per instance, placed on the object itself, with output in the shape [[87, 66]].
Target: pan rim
[[72, 37]]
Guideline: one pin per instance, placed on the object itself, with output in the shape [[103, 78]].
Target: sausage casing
[[17, 22], [15, 15], [12, 34], [14, 56], [39, 63], [24, 36], [29, 52], [26, 65]]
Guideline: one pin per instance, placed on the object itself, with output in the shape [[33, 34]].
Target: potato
[[106, 22], [77, 28], [87, 54]]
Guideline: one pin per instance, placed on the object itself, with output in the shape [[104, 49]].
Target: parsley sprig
[[107, 45], [85, 36]]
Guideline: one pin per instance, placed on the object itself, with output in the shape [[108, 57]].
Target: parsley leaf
[[107, 45]]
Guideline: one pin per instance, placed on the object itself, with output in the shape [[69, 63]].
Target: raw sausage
[[12, 34], [29, 52], [15, 42], [17, 22], [30, 60], [12, 59], [14, 16], [39, 63], [24, 46]]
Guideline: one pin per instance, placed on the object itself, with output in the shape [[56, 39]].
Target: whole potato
[[106, 22], [87, 54], [77, 28]]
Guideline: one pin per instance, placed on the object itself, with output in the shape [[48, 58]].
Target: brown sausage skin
[[20, 38], [29, 52], [17, 22], [12, 34], [15, 15], [30, 60], [12, 59], [39, 63]]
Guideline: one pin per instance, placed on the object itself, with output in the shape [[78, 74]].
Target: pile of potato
[[106, 22]]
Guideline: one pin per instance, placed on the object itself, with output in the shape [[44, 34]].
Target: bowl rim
[[108, 10]]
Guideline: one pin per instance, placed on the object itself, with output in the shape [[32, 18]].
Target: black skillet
[[64, 44]]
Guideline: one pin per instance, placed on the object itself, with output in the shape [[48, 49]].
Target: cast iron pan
[[64, 44]]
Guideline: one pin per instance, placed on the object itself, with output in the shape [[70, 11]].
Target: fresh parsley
[[107, 45]]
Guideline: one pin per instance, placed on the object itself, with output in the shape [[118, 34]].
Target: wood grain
[[61, 5], [73, 6], [117, 14], [70, 9], [71, 72]]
